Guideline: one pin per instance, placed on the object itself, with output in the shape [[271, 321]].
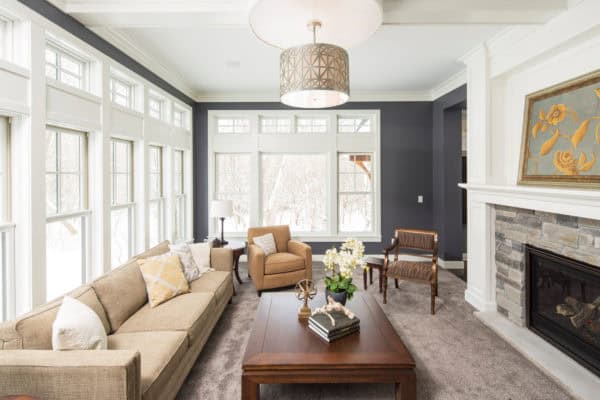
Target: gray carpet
[[457, 356]]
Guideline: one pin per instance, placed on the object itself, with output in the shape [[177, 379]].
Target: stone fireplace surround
[[573, 237]]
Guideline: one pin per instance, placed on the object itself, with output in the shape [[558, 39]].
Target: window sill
[[127, 110], [13, 68]]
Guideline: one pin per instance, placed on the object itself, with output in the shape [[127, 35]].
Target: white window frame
[[354, 117], [182, 117], [130, 205], [61, 52], [330, 142], [238, 125], [161, 199], [84, 213]]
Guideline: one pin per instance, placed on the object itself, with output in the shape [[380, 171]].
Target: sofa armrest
[[75, 374], [302, 250], [221, 259]]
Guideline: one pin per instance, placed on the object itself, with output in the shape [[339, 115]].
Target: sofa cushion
[[283, 262], [122, 292], [161, 352], [35, 328], [216, 282], [186, 313]]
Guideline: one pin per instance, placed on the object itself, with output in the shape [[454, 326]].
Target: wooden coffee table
[[281, 349]]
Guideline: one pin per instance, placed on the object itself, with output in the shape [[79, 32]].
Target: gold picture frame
[[560, 143]]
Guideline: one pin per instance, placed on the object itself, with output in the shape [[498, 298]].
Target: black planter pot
[[340, 297]]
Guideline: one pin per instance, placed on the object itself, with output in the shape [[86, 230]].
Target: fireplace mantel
[[583, 203]]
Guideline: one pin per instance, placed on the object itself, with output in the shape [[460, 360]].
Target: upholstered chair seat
[[283, 262], [410, 270]]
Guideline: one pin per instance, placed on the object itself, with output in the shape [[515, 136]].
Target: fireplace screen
[[563, 304]]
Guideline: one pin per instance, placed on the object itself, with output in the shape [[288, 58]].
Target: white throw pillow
[[201, 255], [190, 268], [77, 327], [266, 242]]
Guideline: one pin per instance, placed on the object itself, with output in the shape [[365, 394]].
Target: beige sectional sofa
[[150, 350]]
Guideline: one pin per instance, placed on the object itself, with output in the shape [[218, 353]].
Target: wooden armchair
[[420, 243], [290, 264]]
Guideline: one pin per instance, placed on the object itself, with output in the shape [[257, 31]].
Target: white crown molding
[[448, 85], [121, 41]]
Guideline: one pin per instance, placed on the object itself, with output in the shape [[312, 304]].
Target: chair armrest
[[221, 259], [302, 250], [75, 374]]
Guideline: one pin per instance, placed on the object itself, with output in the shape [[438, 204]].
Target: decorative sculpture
[[333, 305], [305, 291]]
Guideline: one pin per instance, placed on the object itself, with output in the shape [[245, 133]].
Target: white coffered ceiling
[[206, 48]]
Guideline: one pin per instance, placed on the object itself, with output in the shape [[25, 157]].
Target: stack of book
[[322, 325]]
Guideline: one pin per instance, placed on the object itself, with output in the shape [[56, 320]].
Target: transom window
[[156, 107], [179, 118], [155, 195], [121, 92], [6, 38], [354, 125], [311, 125], [66, 205], [233, 125], [65, 66], [275, 125], [123, 207], [325, 189]]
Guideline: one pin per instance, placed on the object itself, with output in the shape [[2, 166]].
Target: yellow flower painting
[[561, 135]]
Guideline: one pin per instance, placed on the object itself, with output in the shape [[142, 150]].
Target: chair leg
[[384, 289], [396, 283], [371, 276], [433, 290], [380, 281], [259, 292], [365, 278], [436, 289]]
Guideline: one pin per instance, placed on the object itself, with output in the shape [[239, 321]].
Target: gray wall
[[406, 165], [447, 165]]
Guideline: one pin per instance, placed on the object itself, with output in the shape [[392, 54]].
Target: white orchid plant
[[341, 264]]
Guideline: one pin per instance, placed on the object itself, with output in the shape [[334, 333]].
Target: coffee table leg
[[406, 389], [250, 390]]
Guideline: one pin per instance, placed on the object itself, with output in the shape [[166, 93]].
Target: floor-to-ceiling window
[[122, 201], [179, 192], [155, 195], [6, 226], [316, 171], [67, 244]]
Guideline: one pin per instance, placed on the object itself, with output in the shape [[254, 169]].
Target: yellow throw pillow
[[164, 278]]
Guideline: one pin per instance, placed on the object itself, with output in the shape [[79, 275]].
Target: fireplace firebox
[[563, 304]]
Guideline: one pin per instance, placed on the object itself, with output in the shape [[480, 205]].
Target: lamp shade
[[221, 208]]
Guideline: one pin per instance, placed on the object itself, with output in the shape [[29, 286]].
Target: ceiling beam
[[234, 13]]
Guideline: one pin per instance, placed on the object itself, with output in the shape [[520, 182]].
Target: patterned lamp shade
[[314, 76]]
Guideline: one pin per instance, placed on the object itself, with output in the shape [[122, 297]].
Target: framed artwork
[[561, 135]]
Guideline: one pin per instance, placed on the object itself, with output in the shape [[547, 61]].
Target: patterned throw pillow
[[190, 268], [164, 278], [266, 242], [201, 255]]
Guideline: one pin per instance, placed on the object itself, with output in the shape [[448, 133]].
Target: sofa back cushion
[[35, 327], [123, 291], [280, 232]]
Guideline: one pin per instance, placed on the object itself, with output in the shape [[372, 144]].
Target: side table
[[238, 248], [374, 263]]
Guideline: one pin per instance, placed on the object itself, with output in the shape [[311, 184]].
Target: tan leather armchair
[[291, 263]]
